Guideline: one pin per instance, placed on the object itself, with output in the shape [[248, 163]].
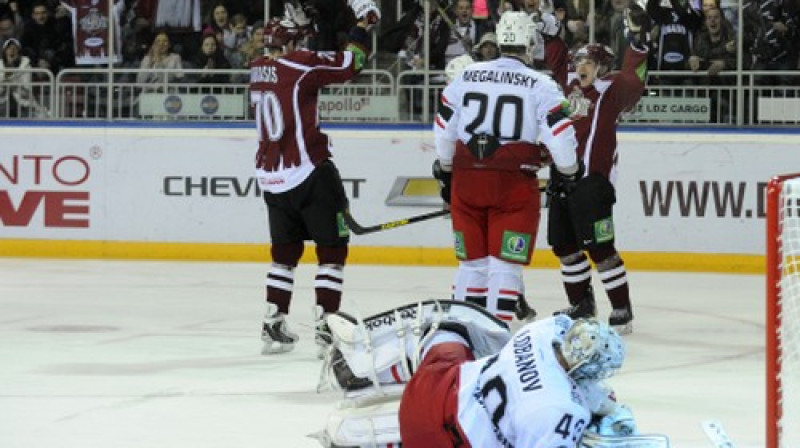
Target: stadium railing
[[745, 99]]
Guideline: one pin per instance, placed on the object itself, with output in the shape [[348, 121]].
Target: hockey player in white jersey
[[474, 385], [497, 124]]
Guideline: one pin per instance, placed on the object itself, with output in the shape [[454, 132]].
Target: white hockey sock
[[470, 283], [505, 288]]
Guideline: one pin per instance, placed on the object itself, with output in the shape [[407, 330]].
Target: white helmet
[[456, 66], [593, 351], [516, 28]]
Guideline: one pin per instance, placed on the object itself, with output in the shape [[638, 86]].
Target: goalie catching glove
[[366, 10], [444, 175], [562, 185]]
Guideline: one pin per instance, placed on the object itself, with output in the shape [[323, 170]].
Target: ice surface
[[102, 354]]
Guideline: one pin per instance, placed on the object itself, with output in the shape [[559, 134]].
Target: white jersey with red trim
[[508, 100], [522, 397]]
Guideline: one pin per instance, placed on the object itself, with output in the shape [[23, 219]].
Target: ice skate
[[621, 319], [585, 308], [275, 333], [523, 311]]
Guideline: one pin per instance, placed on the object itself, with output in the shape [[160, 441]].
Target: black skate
[[583, 309], [621, 319], [523, 311]]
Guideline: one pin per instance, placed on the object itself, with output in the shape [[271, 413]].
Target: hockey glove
[[445, 177], [637, 26], [618, 423], [561, 185]]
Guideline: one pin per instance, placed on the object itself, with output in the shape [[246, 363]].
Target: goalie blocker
[[379, 353]]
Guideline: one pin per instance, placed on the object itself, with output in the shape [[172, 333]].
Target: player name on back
[[264, 74], [525, 362], [501, 77]]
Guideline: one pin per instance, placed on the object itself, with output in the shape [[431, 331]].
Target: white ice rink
[[113, 354]]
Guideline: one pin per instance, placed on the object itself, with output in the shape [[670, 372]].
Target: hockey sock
[[330, 277], [615, 281], [280, 282], [576, 273], [505, 288], [328, 287], [470, 281]]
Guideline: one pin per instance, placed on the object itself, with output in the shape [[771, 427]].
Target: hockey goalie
[[449, 374]]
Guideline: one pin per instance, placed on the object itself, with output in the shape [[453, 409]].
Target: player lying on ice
[[449, 374]]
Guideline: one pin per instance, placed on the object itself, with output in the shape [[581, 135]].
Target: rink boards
[[687, 199]]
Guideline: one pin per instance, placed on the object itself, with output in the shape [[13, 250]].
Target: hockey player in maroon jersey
[[582, 221], [302, 188], [488, 128]]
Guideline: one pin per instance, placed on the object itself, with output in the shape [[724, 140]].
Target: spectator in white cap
[[486, 49]]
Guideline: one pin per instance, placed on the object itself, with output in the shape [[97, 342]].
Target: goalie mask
[[516, 29], [593, 351], [279, 32]]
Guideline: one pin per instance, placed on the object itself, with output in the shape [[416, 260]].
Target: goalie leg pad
[[594, 440], [368, 425], [394, 339]]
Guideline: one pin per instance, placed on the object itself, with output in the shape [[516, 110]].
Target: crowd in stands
[[687, 35]]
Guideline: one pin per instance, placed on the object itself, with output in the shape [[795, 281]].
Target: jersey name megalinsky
[[526, 363], [264, 74], [513, 78]]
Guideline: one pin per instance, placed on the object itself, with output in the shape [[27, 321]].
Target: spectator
[[487, 48], [42, 42], [16, 98], [715, 51], [550, 51], [483, 14], [219, 24], [576, 22], [609, 29], [136, 38], [677, 23], [240, 36], [211, 58], [8, 28], [254, 47], [160, 57], [715, 47], [770, 29], [463, 31]]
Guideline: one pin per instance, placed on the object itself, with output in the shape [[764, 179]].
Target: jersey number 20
[[506, 106]]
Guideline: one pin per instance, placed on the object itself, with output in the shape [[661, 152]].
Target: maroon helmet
[[279, 32], [601, 54]]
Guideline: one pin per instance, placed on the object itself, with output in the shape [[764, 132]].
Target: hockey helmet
[[600, 54], [593, 351], [279, 32], [515, 29]]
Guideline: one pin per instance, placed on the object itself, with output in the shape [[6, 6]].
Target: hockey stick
[[358, 229], [717, 434]]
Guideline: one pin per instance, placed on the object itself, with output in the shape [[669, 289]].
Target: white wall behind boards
[[677, 191]]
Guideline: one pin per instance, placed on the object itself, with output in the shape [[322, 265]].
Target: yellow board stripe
[[425, 256]]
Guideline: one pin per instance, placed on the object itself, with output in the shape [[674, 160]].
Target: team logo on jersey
[[344, 231], [578, 103], [604, 230], [516, 246], [459, 246]]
